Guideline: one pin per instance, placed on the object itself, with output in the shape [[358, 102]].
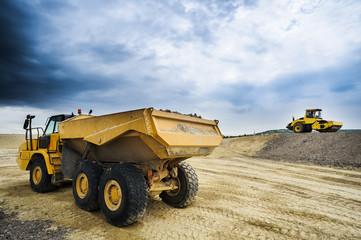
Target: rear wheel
[[123, 195], [40, 180], [187, 187], [85, 185], [298, 128], [308, 128]]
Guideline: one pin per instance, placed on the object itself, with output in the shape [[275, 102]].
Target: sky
[[252, 65]]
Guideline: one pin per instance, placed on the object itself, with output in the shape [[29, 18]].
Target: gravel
[[331, 149], [13, 228]]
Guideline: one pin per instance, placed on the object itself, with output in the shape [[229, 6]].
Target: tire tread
[[45, 184], [191, 188], [137, 198], [93, 172]]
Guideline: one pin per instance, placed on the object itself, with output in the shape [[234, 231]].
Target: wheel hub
[[82, 185], [177, 184], [37, 175], [113, 195]]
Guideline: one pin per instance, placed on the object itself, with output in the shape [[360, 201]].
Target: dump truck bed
[[141, 136]]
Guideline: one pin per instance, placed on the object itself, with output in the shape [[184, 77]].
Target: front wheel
[[40, 180], [123, 195], [187, 187], [298, 128]]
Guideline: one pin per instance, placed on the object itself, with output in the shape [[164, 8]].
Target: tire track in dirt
[[239, 198], [255, 167], [309, 189], [255, 176]]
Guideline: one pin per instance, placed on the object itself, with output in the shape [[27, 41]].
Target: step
[[55, 162]]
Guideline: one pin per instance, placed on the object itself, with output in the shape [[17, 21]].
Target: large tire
[[187, 189], [298, 128], [40, 180], [85, 185], [123, 195]]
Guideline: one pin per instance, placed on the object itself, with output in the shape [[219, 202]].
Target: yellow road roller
[[117, 161], [313, 121]]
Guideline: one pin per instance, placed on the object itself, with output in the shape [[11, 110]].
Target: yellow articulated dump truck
[[117, 161], [313, 121]]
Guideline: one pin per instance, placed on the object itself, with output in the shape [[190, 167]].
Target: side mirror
[[26, 124]]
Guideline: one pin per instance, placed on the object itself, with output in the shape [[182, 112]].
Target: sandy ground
[[240, 197], [11, 141]]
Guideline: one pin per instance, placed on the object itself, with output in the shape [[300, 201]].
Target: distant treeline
[[283, 131]]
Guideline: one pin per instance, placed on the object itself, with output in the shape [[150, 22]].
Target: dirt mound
[[248, 146], [332, 149], [8, 141]]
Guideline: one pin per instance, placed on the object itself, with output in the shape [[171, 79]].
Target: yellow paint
[[168, 135], [108, 134], [316, 123], [25, 156]]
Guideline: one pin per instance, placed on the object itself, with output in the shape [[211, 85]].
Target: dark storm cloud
[[28, 77]]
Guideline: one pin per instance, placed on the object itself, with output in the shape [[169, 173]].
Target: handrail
[[31, 137]]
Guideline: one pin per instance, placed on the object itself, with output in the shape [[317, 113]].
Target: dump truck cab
[[313, 121], [41, 153]]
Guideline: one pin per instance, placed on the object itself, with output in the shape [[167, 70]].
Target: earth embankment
[[331, 149]]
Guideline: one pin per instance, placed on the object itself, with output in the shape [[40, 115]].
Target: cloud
[[251, 57], [29, 77]]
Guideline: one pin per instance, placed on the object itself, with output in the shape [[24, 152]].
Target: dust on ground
[[240, 197]]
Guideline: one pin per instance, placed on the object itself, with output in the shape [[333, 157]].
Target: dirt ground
[[11, 141], [240, 197]]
